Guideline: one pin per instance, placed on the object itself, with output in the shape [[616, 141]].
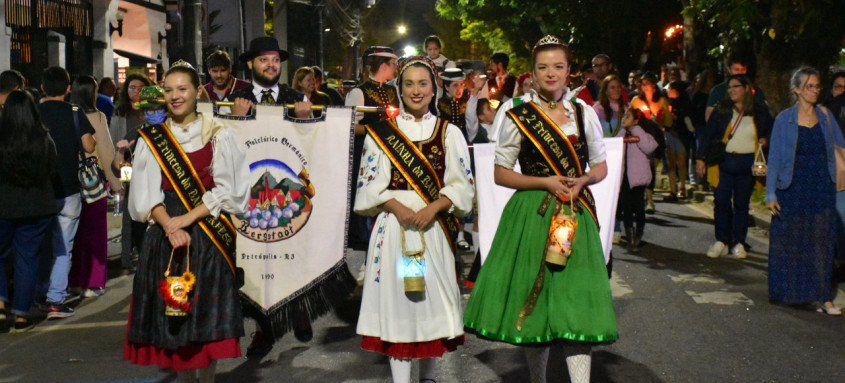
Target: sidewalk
[[761, 216], [115, 223]]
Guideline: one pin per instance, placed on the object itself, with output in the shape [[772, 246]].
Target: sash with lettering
[[178, 169], [415, 168], [560, 152]]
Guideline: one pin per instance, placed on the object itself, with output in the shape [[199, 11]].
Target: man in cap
[[381, 65], [222, 82], [264, 59]]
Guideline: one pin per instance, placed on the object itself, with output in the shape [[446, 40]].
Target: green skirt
[[575, 302]]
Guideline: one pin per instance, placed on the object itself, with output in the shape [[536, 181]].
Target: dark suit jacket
[[507, 89]]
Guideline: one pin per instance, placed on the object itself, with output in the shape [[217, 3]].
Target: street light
[[119, 27], [410, 50], [402, 29], [163, 36], [671, 30]]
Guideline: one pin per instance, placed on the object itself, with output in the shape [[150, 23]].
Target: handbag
[[840, 157], [91, 184], [759, 168]]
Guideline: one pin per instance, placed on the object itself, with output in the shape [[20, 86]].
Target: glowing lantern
[[126, 172], [413, 266], [175, 290], [561, 233]]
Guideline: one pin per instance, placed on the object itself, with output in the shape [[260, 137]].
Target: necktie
[[267, 97]]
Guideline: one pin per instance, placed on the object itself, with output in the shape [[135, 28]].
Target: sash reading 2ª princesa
[[415, 168], [554, 146], [177, 167]]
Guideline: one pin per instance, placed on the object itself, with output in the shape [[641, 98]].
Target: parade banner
[[291, 242], [492, 198]]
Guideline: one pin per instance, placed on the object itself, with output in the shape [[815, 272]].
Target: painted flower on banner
[[279, 204]]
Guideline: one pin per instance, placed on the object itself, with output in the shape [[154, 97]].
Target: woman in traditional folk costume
[[415, 178], [520, 297], [189, 174]]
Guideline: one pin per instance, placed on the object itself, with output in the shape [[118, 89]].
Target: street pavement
[[682, 317]]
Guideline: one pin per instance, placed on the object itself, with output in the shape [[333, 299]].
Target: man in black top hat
[[264, 58]]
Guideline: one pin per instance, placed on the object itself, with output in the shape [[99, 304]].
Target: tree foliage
[[780, 35], [618, 28]]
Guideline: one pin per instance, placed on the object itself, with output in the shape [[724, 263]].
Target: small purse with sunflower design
[[175, 290]]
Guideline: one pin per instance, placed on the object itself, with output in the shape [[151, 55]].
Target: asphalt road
[[682, 318]]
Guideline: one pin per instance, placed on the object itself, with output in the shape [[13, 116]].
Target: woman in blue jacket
[[801, 193]]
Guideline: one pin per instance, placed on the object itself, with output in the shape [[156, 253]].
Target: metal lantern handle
[[411, 253]]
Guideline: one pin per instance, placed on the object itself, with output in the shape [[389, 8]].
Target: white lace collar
[[410, 117]]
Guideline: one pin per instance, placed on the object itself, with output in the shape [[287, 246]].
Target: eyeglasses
[[813, 87], [599, 64]]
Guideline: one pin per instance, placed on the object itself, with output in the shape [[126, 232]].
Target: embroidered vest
[[433, 148], [453, 110], [201, 159], [375, 95]]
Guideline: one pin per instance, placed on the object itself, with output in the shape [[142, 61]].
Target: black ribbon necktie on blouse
[[267, 97]]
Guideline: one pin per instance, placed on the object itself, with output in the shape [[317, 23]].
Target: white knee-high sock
[[579, 362], [206, 375], [428, 369], [538, 360], [187, 376], [401, 370]]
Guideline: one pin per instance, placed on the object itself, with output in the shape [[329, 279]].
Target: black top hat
[[263, 44]]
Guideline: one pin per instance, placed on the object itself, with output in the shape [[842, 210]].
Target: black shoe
[[24, 326], [303, 332], [58, 311], [259, 346], [464, 246]]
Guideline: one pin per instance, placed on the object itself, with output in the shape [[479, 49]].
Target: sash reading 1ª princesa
[[415, 168], [177, 167], [554, 146]]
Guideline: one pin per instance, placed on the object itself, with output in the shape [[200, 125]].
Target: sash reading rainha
[[415, 168]]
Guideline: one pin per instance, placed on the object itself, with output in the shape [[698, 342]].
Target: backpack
[[654, 130]]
